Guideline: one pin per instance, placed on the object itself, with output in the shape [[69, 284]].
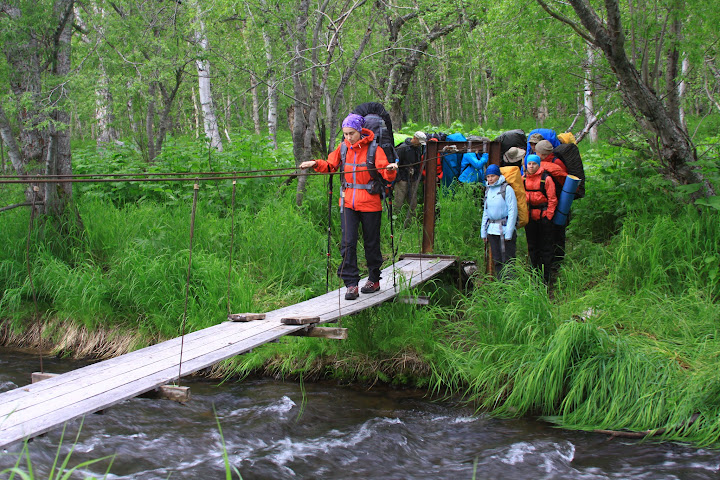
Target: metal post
[[428, 241]]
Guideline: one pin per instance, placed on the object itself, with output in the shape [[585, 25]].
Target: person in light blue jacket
[[499, 219]]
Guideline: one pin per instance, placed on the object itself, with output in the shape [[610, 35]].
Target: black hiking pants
[[559, 244], [350, 222], [541, 245]]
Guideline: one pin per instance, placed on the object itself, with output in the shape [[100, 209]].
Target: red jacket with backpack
[[356, 174], [540, 194]]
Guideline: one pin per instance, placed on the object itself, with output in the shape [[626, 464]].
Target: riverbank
[[627, 339], [282, 429]]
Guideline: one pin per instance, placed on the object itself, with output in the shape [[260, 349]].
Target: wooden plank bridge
[[28, 411]]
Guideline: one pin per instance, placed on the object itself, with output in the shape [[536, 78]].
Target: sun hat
[[543, 148]]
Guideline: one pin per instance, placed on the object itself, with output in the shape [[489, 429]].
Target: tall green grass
[[627, 339]]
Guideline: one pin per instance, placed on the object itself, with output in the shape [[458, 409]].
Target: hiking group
[[540, 201], [368, 172]]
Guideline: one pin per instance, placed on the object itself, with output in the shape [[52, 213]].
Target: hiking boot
[[371, 287], [352, 293]]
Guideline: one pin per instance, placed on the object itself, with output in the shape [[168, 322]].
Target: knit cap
[[532, 159], [492, 170]]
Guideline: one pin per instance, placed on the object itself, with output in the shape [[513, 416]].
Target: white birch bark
[[104, 111], [589, 94], [272, 114], [104, 114], [212, 131], [682, 88], [197, 113]]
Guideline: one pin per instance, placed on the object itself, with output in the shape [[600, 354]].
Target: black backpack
[[377, 119], [511, 138], [570, 156]]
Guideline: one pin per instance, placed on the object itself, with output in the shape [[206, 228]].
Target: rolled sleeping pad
[[566, 198]]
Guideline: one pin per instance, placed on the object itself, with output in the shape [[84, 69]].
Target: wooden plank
[[333, 333], [100, 367], [34, 409], [40, 376], [51, 418], [245, 317], [176, 393], [299, 320], [92, 379], [88, 375]]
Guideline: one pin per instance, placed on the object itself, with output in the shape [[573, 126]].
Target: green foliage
[[628, 339]]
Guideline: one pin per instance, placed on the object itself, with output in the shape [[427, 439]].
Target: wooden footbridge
[[28, 411]]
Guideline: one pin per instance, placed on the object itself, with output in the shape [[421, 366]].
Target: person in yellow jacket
[[359, 205]]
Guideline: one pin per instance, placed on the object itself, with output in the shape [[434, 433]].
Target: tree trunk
[[589, 94], [301, 149], [150, 122], [672, 93], [212, 132], [255, 103], [272, 114], [196, 113], [165, 119], [44, 142], [57, 195], [682, 88], [16, 158], [104, 109], [677, 151]]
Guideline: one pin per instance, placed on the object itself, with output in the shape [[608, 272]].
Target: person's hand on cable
[[308, 164]]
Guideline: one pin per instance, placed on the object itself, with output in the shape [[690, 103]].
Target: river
[[284, 430]]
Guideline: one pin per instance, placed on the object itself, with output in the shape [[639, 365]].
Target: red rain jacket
[[540, 204], [355, 172]]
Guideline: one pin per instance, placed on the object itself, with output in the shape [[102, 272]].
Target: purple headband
[[354, 121]]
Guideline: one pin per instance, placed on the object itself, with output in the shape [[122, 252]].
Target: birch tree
[[212, 132], [36, 43], [606, 31], [589, 94]]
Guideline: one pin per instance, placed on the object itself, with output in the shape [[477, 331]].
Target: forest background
[[131, 87]]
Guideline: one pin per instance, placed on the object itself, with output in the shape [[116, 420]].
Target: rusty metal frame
[[433, 151]]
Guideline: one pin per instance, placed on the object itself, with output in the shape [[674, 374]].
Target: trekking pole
[[327, 268], [388, 202]]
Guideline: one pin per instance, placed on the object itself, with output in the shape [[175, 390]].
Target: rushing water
[[283, 430]]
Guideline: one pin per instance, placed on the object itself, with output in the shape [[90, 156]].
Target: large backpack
[[514, 179], [511, 138], [377, 119], [570, 156]]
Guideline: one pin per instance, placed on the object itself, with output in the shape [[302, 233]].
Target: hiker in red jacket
[[542, 201], [358, 204]]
